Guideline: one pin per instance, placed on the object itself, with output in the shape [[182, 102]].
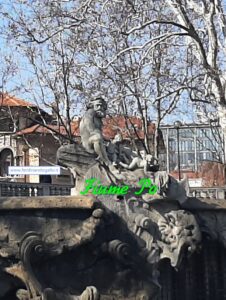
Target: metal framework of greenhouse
[[197, 143]]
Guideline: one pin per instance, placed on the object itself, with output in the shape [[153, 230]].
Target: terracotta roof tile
[[44, 130], [8, 100], [125, 126], [112, 126]]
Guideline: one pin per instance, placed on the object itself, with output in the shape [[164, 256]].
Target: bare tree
[[194, 28], [144, 56]]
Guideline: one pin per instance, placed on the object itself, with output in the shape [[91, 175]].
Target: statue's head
[[143, 154], [99, 105], [149, 158]]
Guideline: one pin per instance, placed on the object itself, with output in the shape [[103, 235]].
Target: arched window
[[6, 160]]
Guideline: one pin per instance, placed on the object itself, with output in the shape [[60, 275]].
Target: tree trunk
[[222, 122]]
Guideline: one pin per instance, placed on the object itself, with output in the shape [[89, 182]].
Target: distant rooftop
[[9, 100], [51, 128], [112, 126]]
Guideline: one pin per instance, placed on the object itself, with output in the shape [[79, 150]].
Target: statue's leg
[[126, 159], [99, 148], [101, 151]]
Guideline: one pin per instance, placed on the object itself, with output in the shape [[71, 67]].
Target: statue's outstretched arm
[[133, 165]]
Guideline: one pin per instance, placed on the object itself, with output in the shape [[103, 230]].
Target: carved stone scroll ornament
[[33, 249], [166, 235], [90, 293], [88, 250], [108, 251]]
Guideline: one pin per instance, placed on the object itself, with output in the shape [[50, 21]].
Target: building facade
[[199, 146], [25, 142]]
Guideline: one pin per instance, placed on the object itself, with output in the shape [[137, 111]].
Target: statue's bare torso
[[90, 129]]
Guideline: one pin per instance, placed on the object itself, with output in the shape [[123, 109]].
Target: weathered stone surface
[[47, 202], [72, 248], [109, 250], [74, 156], [106, 248], [202, 204]]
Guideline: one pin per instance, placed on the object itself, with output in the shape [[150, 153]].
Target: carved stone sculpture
[[90, 129], [110, 163], [104, 247]]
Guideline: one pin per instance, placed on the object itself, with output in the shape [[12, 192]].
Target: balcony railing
[[218, 193], [10, 189]]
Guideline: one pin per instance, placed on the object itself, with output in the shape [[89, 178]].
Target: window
[[6, 160], [6, 125]]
